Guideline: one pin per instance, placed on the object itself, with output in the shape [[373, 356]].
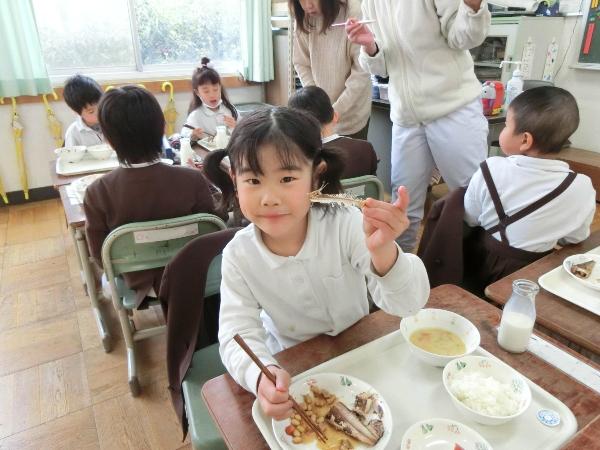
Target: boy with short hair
[[82, 94], [530, 201], [360, 157]]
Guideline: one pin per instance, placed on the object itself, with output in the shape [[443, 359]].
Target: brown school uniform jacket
[[359, 156], [128, 195]]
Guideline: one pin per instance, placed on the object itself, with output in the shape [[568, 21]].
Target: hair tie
[[208, 65]]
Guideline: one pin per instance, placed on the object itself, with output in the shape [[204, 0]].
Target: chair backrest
[[148, 245], [363, 187]]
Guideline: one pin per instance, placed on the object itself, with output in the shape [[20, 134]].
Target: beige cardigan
[[330, 61]]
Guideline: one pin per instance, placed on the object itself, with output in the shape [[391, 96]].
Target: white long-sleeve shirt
[[423, 48], [520, 181], [275, 302], [79, 133], [330, 61], [205, 118]]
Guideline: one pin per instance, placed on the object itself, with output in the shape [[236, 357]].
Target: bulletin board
[[589, 52]]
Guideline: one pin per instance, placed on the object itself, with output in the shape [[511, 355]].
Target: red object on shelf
[[492, 97], [588, 38]]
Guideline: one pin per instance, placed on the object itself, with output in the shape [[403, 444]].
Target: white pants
[[455, 144]]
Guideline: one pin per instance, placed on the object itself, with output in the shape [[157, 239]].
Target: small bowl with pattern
[[71, 154], [437, 336], [486, 390], [442, 434]]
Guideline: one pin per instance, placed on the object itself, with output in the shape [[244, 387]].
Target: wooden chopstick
[[343, 24], [187, 125], [266, 372]]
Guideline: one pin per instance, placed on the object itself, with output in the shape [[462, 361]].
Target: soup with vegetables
[[438, 341]]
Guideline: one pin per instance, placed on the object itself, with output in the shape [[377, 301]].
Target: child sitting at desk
[[360, 157], [298, 271], [521, 206], [82, 94], [210, 106], [142, 188]]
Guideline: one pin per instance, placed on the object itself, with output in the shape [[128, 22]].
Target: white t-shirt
[[520, 181], [79, 133], [275, 302], [205, 118]]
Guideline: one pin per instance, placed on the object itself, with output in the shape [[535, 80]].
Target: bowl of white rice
[[486, 390]]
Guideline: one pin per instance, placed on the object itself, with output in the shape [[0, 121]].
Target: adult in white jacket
[[423, 46]]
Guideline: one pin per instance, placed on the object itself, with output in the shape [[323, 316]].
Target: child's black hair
[[314, 100], [80, 91], [293, 133], [133, 123], [207, 75], [549, 114]]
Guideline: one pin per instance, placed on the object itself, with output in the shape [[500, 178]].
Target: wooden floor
[[58, 389]]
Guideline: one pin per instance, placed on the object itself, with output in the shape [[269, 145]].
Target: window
[[138, 35]]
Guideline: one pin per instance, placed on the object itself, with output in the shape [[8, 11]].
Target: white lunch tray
[[86, 165], [562, 284], [414, 392]]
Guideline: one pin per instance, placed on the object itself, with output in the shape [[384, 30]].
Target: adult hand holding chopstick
[[358, 33]]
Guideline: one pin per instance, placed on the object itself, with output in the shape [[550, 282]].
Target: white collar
[[82, 126], [331, 137], [309, 248], [139, 165], [552, 165]]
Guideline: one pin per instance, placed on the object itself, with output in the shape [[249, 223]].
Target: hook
[[165, 85], [45, 99]]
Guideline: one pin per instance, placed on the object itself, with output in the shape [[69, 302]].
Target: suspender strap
[[506, 220], [502, 217]]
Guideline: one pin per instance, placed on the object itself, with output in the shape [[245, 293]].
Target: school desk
[[572, 325], [230, 406]]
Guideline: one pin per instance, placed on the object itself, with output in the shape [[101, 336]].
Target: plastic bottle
[[518, 317], [514, 86], [185, 151]]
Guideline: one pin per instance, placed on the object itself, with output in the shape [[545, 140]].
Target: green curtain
[[257, 40], [22, 68]]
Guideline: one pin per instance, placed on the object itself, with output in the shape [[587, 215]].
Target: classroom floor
[[58, 389]]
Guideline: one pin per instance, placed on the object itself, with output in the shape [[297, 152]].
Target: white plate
[[593, 281], [345, 388], [442, 434], [208, 144], [560, 283]]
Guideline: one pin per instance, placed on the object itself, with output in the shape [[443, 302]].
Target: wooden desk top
[[74, 213], [556, 314], [230, 405]]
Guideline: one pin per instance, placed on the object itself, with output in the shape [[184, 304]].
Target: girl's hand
[[359, 33], [274, 399], [229, 121], [384, 222], [197, 133]]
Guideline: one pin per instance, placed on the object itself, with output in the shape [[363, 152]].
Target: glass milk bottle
[[518, 317], [185, 151], [221, 138]]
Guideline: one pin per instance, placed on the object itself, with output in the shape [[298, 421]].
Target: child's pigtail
[[331, 177], [220, 178]]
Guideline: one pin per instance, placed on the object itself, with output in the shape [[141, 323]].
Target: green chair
[[142, 246], [363, 187]]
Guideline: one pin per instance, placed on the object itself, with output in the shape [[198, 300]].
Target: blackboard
[[589, 52]]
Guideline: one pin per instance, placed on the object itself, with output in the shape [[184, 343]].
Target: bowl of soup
[[437, 336]]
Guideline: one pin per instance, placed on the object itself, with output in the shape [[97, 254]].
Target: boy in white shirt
[[82, 94], [529, 201]]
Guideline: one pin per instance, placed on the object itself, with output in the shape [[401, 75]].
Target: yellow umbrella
[[17, 129], [170, 112], [53, 123]]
